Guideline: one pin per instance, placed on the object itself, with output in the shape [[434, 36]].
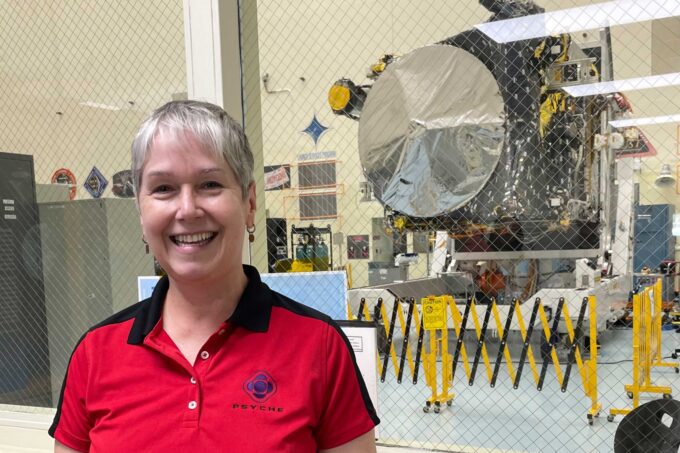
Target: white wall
[[59, 54]]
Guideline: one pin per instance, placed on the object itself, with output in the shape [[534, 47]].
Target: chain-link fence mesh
[[408, 150], [78, 78]]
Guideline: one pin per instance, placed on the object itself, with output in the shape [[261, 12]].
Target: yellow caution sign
[[434, 313]]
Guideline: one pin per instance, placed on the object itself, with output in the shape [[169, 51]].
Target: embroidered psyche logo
[[260, 387]]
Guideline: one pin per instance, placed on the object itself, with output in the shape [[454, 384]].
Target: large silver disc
[[431, 131]]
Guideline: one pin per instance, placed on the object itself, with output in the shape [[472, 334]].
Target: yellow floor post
[[643, 353], [434, 321], [657, 356], [432, 367], [590, 383], [632, 389], [445, 396]]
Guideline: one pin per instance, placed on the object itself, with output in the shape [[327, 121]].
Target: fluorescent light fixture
[[97, 105], [645, 121], [615, 86], [618, 12]]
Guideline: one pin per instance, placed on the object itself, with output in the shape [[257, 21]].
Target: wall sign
[[317, 155], [635, 143], [122, 186], [357, 247], [315, 129], [95, 183], [65, 176], [276, 177]]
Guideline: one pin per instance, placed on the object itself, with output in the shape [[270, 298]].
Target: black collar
[[252, 312]]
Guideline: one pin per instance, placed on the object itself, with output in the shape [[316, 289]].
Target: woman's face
[[192, 209]]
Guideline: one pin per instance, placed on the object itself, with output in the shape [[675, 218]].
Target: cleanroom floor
[[503, 419]]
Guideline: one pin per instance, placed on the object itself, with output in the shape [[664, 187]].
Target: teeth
[[193, 238]]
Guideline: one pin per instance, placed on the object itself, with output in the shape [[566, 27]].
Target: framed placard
[[362, 337]]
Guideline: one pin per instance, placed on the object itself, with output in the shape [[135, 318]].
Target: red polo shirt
[[277, 376]]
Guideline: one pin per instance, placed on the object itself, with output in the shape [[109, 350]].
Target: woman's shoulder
[[124, 315], [116, 326]]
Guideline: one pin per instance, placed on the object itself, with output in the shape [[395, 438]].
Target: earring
[[146, 244], [251, 233]]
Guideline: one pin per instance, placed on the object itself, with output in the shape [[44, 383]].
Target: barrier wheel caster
[[675, 356], [610, 418], [449, 403], [677, 370], [667, 396], [590, 420], [630, 395], [437, 409], [426, 409]]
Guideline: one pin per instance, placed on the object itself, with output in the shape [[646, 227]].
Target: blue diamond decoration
[[315, 129], [95, 183]]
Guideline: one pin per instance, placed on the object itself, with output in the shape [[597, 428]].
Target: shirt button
[[205, 355], [193, 380], [192, 405]]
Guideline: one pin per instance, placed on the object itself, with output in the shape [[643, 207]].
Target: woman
[[214, 360]]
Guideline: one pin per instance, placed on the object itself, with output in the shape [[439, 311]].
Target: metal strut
[[388, 348], [404, 345], [419, 350], [527, 340], [459, 343], [575, 343], [551, 341], [480, 344], [504, 340], [362, 304]]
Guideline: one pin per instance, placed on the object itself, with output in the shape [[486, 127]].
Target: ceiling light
[[619, 12], [97, 105], [665, 178], [616, 86], [645, 121]]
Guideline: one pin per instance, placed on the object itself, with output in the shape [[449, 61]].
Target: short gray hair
[[209, 124]]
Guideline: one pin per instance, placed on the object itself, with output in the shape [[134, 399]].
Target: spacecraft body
[[476, 138]]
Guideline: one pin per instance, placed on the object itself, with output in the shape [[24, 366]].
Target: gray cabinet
[[24, 360], [653, 240], [92, 255]]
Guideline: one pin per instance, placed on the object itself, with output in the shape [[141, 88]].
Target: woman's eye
[[212, 185], [163, 188]]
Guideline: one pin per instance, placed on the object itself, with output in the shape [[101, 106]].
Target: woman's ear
[[251, 204]]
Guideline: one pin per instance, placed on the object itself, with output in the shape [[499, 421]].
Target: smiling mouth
[[193, 239]]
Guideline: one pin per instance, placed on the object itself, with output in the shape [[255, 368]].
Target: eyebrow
[[161, 173]]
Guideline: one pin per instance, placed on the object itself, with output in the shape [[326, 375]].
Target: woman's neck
[[197, 308]]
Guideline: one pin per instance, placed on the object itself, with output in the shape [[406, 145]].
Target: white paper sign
[[362, 337]]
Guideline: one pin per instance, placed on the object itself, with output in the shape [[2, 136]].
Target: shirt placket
[[199, 374], [196, 375]]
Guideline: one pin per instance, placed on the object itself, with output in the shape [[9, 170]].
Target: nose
[[189, 206]]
